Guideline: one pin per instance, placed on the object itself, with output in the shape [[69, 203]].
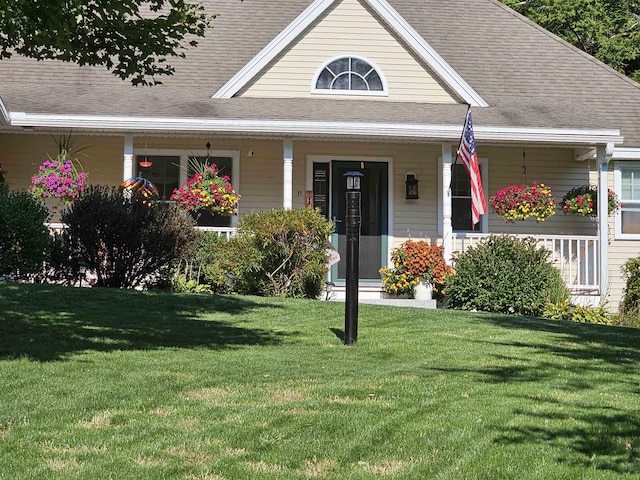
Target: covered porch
[[279, 171]]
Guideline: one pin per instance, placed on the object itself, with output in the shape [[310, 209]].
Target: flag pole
[[455, 161], [468, 155]]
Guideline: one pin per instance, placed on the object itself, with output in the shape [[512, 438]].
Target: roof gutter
[[407, 131]]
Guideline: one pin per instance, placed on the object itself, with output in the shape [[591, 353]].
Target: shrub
[[24, 238], [126, 241], [280, 253], [564, 310], [504, 274], [205, 271], [630, 305]]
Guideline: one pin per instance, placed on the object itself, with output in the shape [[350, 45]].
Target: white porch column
[[287, 197], [603, 155], [127, 167], [447, 227]]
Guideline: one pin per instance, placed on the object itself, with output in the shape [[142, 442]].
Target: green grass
[[108, 384]]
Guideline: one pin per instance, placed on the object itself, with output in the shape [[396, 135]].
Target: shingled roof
[[528, 77]]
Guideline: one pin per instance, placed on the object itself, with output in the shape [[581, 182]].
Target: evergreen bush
[[24, 237], [504, 274]]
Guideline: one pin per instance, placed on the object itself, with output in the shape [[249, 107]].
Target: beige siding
[[349, 29], [261, 175], [554, 167], [260, 179], [21, 155], [619, 252]]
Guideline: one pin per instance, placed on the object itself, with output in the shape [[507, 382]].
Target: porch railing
[[226, 232], [577, 257]]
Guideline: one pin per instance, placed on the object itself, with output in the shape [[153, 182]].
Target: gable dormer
[[332, 35]]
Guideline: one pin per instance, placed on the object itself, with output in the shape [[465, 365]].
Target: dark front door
[[374, 212]]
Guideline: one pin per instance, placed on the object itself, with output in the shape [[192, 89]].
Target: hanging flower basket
[[521, 202], [61, 178], [583, 201], [208, 191]]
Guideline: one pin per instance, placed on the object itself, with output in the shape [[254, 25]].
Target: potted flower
[[583, 201], [519, 202], [61, 178], [418, 267], [208, 191]]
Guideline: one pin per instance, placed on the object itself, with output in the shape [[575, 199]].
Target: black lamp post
[[352, 223]]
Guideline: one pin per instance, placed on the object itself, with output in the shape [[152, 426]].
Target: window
[[349, 74], [627, 187], [461, 199], [171, 168], [164, 172]]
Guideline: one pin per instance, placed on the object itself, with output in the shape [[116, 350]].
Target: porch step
[[372, 295]]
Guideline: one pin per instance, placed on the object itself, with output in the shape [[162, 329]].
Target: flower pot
[[423, 290]]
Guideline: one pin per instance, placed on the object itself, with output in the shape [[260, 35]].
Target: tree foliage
[[606, 29], [132, 38]]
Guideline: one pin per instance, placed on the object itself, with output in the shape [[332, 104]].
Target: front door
[[374, 212]]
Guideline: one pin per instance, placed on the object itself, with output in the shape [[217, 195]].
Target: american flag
[[469, 157]]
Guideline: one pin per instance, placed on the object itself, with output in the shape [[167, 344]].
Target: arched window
[[349, 74]]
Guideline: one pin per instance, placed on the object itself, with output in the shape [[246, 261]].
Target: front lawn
[[99, 384]]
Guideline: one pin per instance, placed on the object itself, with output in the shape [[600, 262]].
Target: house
[[289, 95]]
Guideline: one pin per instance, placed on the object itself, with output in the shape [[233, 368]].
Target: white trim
[[287, 174], [127, 163], [603, 155], [626, 153], [5, 117], [272, 49], [427, 53], [385, 86], [484, 219], [559, 136], [406, 32], [617, 186]]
